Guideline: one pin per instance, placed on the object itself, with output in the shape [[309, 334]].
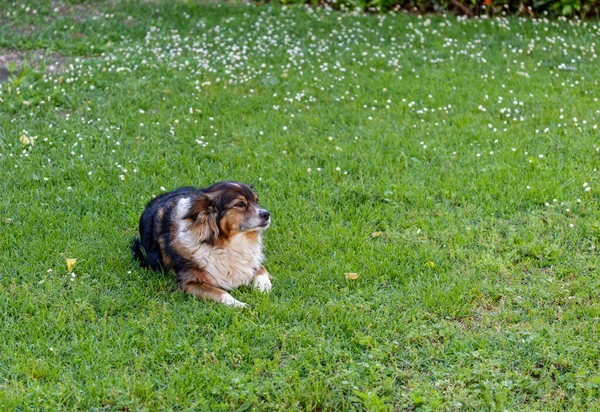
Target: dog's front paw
[[229, 300], [262, 283]]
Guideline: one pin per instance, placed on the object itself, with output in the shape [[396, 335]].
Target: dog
[[211, 238]]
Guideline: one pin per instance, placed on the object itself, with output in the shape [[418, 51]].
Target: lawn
[[451, 164]]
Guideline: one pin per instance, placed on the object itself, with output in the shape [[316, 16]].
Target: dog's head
[[226, 209]]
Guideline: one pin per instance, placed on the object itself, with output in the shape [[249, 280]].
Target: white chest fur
[[233, 265]]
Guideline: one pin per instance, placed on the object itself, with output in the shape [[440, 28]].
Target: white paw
[[262, 283], [229, 300]]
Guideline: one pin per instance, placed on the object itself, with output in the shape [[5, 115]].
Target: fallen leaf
[[24, 139], [430, 264], [375, 234], [70, 264], [351, 276], [8, 220]]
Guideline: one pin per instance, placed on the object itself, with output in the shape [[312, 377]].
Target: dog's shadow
[[159, 281]]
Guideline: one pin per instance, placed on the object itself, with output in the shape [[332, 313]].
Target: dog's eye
[[240, 205]]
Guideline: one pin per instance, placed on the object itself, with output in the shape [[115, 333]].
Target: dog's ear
[[203, 214]]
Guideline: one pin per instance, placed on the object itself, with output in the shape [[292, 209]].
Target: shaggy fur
[[210, 238]]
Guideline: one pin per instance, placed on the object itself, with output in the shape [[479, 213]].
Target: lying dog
[[210, 238]]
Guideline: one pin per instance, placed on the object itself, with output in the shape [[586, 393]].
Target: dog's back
[[157, 214]]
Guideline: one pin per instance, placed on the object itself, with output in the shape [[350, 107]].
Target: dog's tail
[[147, 258]]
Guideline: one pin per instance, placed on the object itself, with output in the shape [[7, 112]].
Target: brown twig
[[464, 8]]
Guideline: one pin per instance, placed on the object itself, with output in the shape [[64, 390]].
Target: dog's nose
[[264, 214]]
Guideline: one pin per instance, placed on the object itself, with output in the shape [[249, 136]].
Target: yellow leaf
[[351, 276], [375, 234], [70, 264], [430, 264], [24, 139]]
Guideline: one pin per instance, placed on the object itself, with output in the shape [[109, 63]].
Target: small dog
[[210, 238]]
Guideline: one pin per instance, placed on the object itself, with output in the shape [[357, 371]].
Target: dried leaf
[[8, 220], [351, 276], [24, 139], [70, 264], [376, 234]]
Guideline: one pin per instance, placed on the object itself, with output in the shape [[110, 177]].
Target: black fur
[[145, 248]]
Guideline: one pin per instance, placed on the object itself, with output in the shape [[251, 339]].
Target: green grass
[[481, 293]]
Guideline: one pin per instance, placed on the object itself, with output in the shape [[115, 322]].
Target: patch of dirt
[[9, 56], [78, 12], [5, 58], [53, 62]]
